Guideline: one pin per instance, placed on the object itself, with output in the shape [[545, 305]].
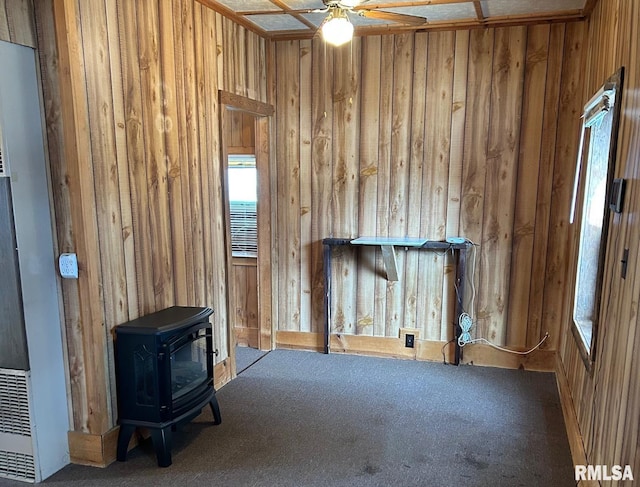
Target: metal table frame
[[387, 245]]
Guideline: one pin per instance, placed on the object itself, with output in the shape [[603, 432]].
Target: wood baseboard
[[485, 355], [95, 450], [221, 374], [429, 350], [576, 443], [247, 337]]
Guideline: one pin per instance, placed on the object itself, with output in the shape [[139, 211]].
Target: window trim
[[593, 108]]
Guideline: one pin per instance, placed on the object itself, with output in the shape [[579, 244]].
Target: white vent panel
[[16, 449], [17, 466], [14, 403]]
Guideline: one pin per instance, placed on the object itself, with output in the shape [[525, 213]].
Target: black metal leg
[[215, 409], [162, 444], [124, 435], [326, 264]]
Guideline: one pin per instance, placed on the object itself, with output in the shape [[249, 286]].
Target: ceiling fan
[[337, 29]]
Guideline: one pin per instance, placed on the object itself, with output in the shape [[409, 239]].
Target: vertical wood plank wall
[[607, 401], [150, 73], [435, 134], [17, 22]]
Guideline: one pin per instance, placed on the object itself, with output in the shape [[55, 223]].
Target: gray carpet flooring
[[246, 357], [306, 419]]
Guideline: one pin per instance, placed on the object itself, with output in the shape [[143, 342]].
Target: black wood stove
[[164, 370]]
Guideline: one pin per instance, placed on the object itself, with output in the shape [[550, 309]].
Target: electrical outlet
[[408, 336], [409, 340]]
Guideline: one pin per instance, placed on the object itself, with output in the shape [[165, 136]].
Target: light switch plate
[[68, 264]]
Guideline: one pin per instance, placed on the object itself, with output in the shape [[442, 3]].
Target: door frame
[[262, 113]]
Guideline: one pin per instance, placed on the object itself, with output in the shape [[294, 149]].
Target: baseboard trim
[[428, 350], [95, 450], [246, 336], [576, 443]]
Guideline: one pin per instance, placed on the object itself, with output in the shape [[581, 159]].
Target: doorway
[[245, 153]]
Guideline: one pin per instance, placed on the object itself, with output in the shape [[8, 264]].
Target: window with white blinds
[[243, 205]]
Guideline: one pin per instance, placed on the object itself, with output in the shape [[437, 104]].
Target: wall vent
[[16, 446]]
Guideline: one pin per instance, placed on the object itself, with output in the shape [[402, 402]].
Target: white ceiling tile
[[249, 5], [499, 8], [435, 13], [276, 22]]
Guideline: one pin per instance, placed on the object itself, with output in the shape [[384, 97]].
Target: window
[[243, 205], [593, 178]]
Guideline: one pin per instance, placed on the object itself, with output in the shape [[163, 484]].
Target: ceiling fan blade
[[393, 17]]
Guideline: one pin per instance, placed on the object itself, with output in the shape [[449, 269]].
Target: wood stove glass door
[[189, 369]]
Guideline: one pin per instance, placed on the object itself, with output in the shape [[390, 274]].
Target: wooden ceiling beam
[[296, 15], [237, 18], [588, 7], [478, 6]]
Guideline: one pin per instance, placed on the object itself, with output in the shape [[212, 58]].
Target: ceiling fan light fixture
[[338, 29]]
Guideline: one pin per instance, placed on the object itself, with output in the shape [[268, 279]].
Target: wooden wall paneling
[[270, 132], [530, 148], [195, 202], [154, 124], [172, 155], [305, 185], [240, 63], [399, 182], [102, 96], [570, 109], [535, 330], [220, 248], [288, 167], [368, 176], [321, 169], [502, 153], [436, 177], [17, 22], [220, 46], [454, 191], [248, 130], [251, 65], [387, 58], [135, 154], [475, 152], [264, 75], [415, 309], [50, 78], [266, 264], [233, 132], [182, 19], [245, 304], [346, 127], [229, 55], [92, 413], [203, 169], [545, 181], [128, 309]]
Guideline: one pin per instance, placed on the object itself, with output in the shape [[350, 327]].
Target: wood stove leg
[[162, 444], [215, 409], [124, 435]]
